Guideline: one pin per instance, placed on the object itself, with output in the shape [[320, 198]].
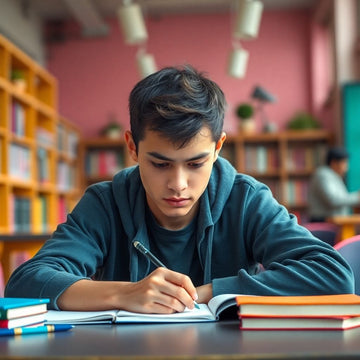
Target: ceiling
[[91, 13], [59, 9]]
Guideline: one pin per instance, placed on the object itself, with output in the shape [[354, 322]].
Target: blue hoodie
[[239, 225]]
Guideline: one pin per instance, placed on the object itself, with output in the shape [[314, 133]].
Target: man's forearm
[[89, 295]]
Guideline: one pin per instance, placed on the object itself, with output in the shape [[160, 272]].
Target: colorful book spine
[[19, 162], [18, 119], [43, 166], [103, 163], [40, 210], [22, 208]]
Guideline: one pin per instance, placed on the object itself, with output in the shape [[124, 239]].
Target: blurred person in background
[[328, 194]]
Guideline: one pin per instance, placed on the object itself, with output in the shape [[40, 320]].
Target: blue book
[[11, 308]]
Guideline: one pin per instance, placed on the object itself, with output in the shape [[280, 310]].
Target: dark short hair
[[336, 153], [177, 103]]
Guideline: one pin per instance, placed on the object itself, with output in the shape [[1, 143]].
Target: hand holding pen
[[142, 249]]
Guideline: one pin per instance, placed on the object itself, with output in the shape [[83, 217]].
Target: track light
[[132, 23], [248, 16], [237, 62], [146, 63]]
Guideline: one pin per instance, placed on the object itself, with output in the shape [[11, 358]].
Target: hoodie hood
[[131, 202], [211, 207]]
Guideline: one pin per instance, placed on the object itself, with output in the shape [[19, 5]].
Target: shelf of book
[[39, 168], [103, 157], [284, 161]]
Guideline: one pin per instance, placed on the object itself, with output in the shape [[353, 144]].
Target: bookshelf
[[39, 168], [284, 161], [103, 157]]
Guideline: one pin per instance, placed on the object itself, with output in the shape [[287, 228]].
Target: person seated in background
[[210, 226], [328, 194]]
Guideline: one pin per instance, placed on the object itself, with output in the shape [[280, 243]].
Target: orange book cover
[[317, 305]]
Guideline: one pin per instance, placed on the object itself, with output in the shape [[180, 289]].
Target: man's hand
[[161, 292]]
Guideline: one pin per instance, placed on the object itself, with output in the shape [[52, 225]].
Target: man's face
[[340, 166], [174, 179]]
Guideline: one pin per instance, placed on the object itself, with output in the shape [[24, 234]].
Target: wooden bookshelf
[[39, 169], [284, 161], [103, 157]]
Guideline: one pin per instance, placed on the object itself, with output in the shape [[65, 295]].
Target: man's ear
[[219, 144], [131, 145]]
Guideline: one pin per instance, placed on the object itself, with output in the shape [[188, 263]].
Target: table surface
[[221, 340], [353, 219]]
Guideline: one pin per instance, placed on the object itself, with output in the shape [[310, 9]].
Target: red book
[[22, 321]]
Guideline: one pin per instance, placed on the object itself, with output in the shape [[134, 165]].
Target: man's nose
[[178, 179]]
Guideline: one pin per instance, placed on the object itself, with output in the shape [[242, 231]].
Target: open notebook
[[205, 312]]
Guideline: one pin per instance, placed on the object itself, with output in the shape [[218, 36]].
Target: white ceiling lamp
[[237, 63], [146, 63], [132, 23], [248, 17]]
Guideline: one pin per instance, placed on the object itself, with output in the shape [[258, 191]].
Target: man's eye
[[195, 165], [159, 165]]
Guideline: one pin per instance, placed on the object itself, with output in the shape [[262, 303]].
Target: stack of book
[[323, 312], [22, 312]]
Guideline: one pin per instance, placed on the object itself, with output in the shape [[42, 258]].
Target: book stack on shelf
[[18, 118], [300, 158], [68, 150], [103, 163], [22, 312], [21, 221], [103, 158], [261, 159]]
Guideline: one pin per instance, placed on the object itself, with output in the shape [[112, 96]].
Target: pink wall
[[96, 75]]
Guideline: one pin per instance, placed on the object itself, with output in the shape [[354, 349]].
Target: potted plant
[[18, 79], [245, 112], [113, 129], [303, 121]]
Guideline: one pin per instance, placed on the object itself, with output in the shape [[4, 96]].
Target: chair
[[324, 231], [350, 250]]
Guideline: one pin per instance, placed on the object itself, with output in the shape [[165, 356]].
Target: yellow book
[[37, 216]]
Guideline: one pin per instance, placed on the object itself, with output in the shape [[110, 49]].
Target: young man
[[328, 194], [210, 226]]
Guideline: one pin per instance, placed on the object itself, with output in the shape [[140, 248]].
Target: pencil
[[149, 255], [35, 330]]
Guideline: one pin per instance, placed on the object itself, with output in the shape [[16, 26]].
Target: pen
[[35, 330], [149, 255]]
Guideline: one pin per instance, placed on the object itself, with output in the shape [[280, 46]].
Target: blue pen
[[149, 255], [35, 330]]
